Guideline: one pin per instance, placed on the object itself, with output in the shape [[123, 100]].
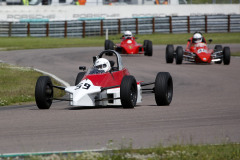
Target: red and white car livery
[[130, 46], [198, 53], [116, 87]]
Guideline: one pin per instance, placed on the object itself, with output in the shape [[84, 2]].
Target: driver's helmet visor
[[101, 66], [128, 35], [197, 39]]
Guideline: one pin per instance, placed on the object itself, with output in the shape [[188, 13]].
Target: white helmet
[[102, 64], [197, 38], [127, 34]]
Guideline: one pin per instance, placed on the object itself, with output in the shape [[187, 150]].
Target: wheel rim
[[49, 93], [133, 95]]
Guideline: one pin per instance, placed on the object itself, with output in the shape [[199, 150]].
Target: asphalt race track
[[205, 106]]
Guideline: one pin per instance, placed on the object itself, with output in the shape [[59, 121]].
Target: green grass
[[190, 152], [39, 43], [228, 151], [18, 84], [235, 54], [157, 39]]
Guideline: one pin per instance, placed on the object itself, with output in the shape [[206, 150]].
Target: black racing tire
[[226, 55], [109, 45], [79, 77], [128, 92], [44, 92], [149, 50], [145, 46], [144, 43], [163, 89], [179, 55], [218, 48], [106, 44], [169, 53]]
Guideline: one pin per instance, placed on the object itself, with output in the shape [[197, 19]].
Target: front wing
[[190, 56], [80, 95]]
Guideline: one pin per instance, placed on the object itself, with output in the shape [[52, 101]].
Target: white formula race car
[[115, 87]]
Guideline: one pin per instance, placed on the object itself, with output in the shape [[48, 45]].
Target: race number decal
[[202, 50], [83, 86], [86, 86], [129, 41]]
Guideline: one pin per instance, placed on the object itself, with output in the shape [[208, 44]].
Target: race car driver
[[127, 35], [102, 65], [196, 39]]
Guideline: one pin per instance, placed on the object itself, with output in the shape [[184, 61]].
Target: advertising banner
[[59, 13]]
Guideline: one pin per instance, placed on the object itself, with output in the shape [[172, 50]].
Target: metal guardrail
[[83, 28]]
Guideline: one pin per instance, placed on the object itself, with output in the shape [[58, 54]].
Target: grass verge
[[18, 84], [228, 151], [184, 152], [235, 54], [157, 39]]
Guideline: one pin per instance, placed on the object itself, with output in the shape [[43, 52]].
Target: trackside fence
[[83, 28]]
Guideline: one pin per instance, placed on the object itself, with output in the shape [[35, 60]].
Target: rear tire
[[44, 92], [169, 53], [128, 92], [226, 55], [163, 89], [106, 44], [218, 48], [79, 77], [144, 43], [179, 55], [109, 45]]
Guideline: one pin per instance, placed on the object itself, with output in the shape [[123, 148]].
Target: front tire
[[44, 92], [169, 53], [148, 48], [179, 55], [128, 92], [145, 46], [163, 89], [226, 55]]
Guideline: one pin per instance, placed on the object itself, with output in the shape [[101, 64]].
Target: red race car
[[197, 51], [129, 45]]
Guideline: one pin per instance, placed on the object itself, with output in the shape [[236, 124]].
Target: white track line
[[46, 73], [53, 76]]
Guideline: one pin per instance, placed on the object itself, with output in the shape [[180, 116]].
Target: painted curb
[[11, 155]]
